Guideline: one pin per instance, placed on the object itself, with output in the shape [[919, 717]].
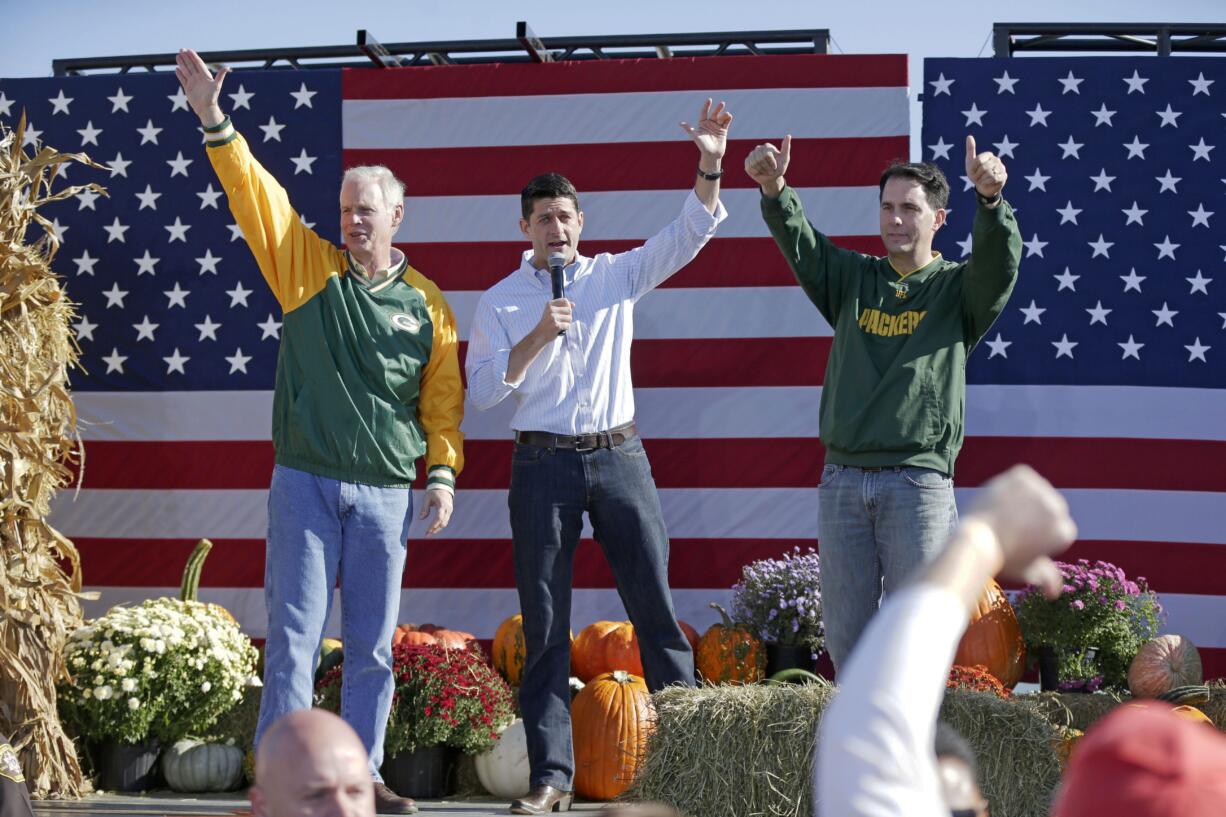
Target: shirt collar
[[397, 265], [540, 277]]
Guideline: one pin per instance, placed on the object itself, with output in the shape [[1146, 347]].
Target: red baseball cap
[[1145, 761]]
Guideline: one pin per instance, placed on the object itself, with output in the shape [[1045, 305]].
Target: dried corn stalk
[[39, 603]]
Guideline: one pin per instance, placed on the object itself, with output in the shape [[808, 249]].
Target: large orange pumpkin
[[510, 650], [1162, 664], [994, 638], [728, 654], [611, 719]]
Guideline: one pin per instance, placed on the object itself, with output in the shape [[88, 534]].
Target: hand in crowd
[[766, 165], [1030, 520], [200, 85], [985, 170], [711, 132]]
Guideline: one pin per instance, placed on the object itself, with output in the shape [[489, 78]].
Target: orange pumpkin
[[453, 639], [994, 638], [1193, 714], [510, 650], [621, 650], [404, 635], [1162, 664], [729, 654], [691, 635], [611, 719], [587, 652]]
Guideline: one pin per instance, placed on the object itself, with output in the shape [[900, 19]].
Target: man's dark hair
[[929, 177], [950, 743], [547, 186]]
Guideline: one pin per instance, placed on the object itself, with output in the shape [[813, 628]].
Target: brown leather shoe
[[388, 802], [543, 800]]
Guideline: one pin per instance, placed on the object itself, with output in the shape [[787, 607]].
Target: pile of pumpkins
[[1166, 668], [611, 712]]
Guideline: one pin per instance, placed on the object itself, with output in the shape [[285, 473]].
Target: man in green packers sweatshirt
[[894, 402]]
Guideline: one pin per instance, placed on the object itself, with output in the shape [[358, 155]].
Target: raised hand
[[985, 170], [766, 165], [200, 86], [1031, 523], [711, 132]]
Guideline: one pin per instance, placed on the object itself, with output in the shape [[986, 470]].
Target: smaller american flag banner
[[1107, 371]]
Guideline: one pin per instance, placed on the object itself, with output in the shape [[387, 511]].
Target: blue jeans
[[874, 528], [320, 529], [550, 490]]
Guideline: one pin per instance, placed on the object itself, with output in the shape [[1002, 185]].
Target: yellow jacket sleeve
[[440, 408], [295, 261]]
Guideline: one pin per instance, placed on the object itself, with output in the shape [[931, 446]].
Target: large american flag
[[1108, 368], [179, 333]]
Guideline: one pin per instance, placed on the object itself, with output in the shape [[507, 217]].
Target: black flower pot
[[788, 656], [424, 773], [1049, 668], [126, 766]]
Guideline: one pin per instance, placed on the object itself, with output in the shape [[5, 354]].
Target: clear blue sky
[[36, 31]]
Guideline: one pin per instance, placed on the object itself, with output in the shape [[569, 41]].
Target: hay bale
[[743, 750], [1015, 745], [1216, 707], [749, 750], [1076, 710]]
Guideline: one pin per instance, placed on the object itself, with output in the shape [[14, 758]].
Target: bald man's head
[[311, 763]]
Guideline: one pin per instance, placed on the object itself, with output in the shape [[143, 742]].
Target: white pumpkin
[[503, 770], [195, 766]]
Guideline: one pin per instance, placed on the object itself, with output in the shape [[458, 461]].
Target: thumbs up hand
[[985, 170]]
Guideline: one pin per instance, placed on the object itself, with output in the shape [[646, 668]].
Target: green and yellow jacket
[[368, 376], [895, 388]]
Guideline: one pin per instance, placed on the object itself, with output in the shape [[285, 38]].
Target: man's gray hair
[[391, 187]]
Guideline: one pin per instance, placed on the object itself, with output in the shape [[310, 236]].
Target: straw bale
[[749, 750]]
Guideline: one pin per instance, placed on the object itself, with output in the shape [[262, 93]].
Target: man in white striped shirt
[[577, 449]]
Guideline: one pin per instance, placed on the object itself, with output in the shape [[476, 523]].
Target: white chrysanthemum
[[128, 684], [104, 692], [87, 693], [206, 686], [134, 703]]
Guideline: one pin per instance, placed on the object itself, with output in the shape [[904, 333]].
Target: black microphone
[[556, 262]]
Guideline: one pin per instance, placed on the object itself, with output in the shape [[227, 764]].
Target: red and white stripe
[[729, 359]]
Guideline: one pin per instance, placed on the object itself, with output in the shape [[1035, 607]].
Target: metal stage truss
[[1161, 39], [526, 46]]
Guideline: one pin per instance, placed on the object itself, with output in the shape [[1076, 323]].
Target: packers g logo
[[406, 322]]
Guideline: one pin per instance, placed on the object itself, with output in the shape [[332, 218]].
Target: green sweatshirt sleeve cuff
[[442, 477]]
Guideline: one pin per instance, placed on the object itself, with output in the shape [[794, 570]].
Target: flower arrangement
[[781, 599], [1096, 625], [977, 679], [442, 698], [165, 669]]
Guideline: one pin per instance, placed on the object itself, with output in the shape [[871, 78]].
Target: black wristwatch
[[988, 202], [711, 177]]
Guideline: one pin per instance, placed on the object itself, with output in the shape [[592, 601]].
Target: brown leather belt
[[582, 442]]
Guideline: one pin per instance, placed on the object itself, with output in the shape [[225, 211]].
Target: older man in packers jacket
[[367, 382]]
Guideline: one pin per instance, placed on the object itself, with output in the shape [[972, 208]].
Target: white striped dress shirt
[[580, 383]]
